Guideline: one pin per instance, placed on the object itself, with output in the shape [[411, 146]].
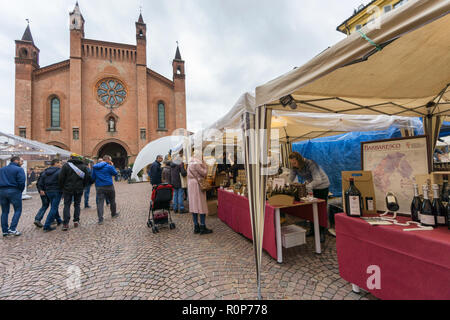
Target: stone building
[[102, 100]]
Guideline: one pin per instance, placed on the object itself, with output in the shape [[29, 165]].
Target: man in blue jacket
[[49, 185], [12, 184], [102, 174]]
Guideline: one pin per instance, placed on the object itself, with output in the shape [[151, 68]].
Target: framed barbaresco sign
[[394, 164]]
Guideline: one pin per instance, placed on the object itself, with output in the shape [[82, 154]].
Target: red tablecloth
[[234, 211], [414, 265]]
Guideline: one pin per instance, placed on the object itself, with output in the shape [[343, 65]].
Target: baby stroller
[[159, 213]]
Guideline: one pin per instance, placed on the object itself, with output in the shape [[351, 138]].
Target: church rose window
[[111, 92]]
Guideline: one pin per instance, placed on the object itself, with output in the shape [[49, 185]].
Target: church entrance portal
[[117, 152]]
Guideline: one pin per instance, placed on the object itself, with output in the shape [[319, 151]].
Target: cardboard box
[[293, 236], [364, 183], [281, 200], [212, 207]]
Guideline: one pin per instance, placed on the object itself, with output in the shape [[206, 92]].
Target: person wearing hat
[[316, 181], [73, 179]]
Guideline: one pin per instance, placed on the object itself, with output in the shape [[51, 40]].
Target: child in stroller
[[159, 214]]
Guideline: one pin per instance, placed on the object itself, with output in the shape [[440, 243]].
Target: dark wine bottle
[[391, 202], [448, 215], [427, 217], [445, 191], [416, 205], [353, 200], [438, 208]]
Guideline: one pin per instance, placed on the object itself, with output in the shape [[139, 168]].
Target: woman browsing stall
[[316, 180]]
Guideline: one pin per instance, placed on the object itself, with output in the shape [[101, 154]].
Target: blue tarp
[[343, 153], [445, 130]]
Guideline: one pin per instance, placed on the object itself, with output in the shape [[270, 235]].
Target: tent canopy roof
[[14, 145], [297, 126], [353, 77]]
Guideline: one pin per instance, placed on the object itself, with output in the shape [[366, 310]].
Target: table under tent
[[401, 68]]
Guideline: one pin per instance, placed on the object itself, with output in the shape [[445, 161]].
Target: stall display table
[[414, 265], [234, 210]]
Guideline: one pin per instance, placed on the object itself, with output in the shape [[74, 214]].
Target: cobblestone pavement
[[123, 259]]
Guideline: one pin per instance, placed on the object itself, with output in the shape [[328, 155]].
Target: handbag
[[204, 186]]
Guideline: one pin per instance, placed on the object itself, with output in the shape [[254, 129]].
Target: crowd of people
[[70, 181], [67, 183], [184, 179]]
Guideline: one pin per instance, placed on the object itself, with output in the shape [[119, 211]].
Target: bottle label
[[426, 219], [370, 205], [355, 209], [441, 220]]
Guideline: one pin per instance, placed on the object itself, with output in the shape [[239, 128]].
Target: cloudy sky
[[230, 46]]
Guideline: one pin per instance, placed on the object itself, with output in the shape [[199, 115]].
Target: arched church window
[[161, 115], [111, 92], [23, 53], [55, 113], [178, 70]]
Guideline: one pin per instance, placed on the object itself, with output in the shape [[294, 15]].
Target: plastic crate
[[293, 236]]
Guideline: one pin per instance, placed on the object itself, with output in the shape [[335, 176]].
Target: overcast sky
[[230, 46]]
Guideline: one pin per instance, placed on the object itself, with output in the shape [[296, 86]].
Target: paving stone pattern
[[123, 259]]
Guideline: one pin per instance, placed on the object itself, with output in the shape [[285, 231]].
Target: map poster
[[394, 164]]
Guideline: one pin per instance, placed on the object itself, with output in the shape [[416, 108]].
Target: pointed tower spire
[[140, 20], [178, 54], [77, 19], [27, 35]]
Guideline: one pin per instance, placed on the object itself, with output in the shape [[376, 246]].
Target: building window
[[161, 116], [387, 8], [23, 132], [143, 134], [76, 134], [398, 4], [111, 92], [23, 53], [55, 113]]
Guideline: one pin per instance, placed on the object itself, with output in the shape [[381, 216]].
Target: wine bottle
[[427, 217], [448, 215], [416, 205], [445, 191], [391, 202], [353, 200], [438, 208]]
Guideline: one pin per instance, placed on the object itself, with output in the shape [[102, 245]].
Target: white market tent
[[11, 145], [153, 149], [400, 68]]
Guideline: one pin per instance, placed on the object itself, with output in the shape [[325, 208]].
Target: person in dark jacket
[[87, 190], [155, 171], [49, 185], [12, 184], [73, 178], [45, 204], [176, 171], [102, 174]]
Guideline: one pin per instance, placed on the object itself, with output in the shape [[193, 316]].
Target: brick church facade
[[102, 100]]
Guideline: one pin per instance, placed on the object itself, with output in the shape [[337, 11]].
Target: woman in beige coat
[[197, 171]]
